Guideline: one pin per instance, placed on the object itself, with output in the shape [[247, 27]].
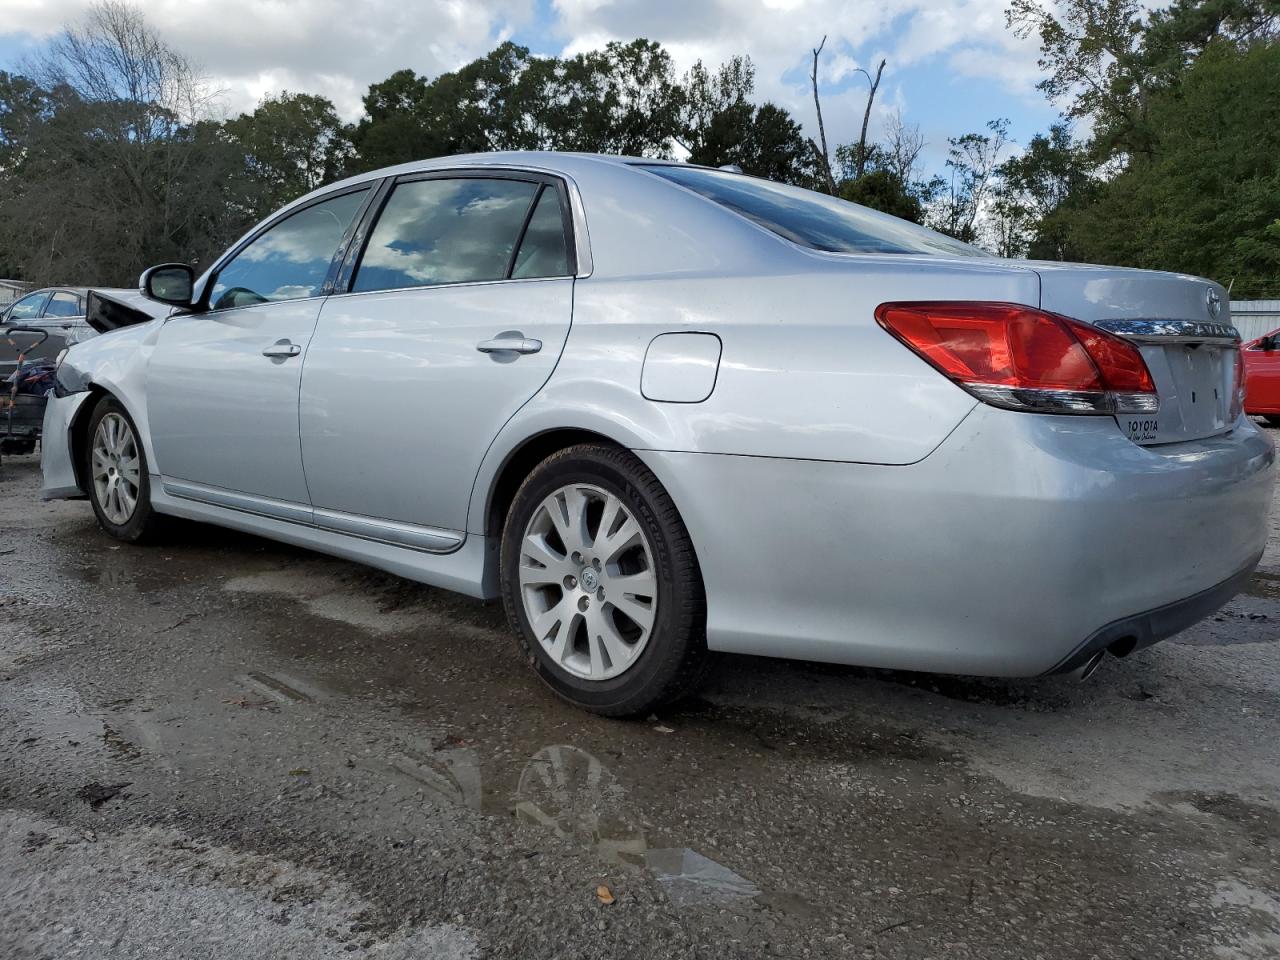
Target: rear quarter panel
[[805, 371]]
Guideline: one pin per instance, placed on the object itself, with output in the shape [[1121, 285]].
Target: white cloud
[[779, 35], [251, 48]]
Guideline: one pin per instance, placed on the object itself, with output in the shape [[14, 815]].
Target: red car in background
[[1262, 377]]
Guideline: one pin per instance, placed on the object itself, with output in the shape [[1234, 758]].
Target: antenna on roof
[[731, 167]]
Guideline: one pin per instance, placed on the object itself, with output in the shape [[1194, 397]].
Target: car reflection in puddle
[[568, 792]]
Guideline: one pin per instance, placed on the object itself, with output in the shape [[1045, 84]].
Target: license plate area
[[1193, 381]]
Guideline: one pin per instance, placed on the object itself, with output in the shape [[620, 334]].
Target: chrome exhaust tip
[[1086, 669]]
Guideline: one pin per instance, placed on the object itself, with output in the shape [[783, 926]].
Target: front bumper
[[57, 463], [1018, 542]]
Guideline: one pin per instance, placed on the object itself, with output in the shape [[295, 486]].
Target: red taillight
[[1237, 399], [1016, 356]]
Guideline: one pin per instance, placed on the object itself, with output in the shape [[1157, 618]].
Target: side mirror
[[171, 283], [1268, 342]]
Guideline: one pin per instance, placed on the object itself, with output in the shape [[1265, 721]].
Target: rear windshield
[[813, 219]]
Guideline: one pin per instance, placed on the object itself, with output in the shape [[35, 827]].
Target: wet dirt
[[380, 745]]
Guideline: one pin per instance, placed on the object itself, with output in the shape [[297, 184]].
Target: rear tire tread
[[683, 658]]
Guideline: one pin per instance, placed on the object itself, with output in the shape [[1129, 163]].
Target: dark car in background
[[57, 310], [37, 327]]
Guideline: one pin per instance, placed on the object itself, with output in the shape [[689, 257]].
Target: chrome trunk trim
[[1171, 331]]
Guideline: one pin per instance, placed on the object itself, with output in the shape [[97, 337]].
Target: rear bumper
[[57, 465], [1130, 634], [1018, 542]]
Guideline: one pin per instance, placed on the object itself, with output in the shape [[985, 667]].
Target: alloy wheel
[[588, 581], [116, 468]]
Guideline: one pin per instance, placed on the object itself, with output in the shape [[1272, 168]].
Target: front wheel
[[601, 583], [116, 467]]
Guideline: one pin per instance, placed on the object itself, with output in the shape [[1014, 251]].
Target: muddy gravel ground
[[223, 747]]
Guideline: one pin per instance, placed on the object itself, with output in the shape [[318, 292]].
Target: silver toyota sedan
[[664, 410]]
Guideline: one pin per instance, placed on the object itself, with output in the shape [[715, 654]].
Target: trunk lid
[[1182, 325]]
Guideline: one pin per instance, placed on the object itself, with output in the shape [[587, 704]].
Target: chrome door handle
[[282, 348], [509, 345]]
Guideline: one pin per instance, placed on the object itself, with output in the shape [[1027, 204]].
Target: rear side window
[[439, 231], [813, 219], [543, 250], [63, 304], [291, 260]]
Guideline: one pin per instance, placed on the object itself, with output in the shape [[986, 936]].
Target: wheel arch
[[520, 462], [79, 434]]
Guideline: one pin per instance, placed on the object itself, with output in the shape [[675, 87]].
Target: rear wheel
[[601, 584], [116, 468]]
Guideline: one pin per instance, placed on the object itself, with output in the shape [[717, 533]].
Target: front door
[[222, 384], [456, 316]]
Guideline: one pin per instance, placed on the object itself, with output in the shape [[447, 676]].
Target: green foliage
[[719, 125], [107, 164], [1207, 199], [1182, 171], [973, 161], [882, 190], [1036, 194], [291, 144], [622, 99], [109, 159]]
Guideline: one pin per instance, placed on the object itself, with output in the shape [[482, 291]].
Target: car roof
[[549, 161], [78, 291]]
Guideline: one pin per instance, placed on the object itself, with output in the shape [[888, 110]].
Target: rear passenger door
[[454, 315]]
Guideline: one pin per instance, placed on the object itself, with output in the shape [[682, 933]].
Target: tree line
[[112, 156]]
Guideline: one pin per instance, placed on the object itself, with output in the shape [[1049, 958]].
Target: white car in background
[[663, 410]]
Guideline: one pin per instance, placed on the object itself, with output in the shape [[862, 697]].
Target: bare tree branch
[[824, 158], [861, 160]]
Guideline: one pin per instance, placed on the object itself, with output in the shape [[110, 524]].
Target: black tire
[[143, 523], [674, 659]]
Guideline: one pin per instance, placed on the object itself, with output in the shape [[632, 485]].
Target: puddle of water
[[282, 689], [1264, 585], [452, 776], [136, 572], [325, 597], [568, 792], [690, 879]]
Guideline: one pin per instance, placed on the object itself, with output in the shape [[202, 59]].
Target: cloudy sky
[[952, 63]]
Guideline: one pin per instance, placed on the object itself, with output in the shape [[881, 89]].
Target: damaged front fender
[[57, 449]]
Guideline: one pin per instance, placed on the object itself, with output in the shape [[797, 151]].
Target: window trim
[[524, 230], [373, 211], [371, 187]]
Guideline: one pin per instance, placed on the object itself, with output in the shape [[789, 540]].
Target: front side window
[[445, 231], [28, 308], [291, 260], [63, 304], [813, 219]]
